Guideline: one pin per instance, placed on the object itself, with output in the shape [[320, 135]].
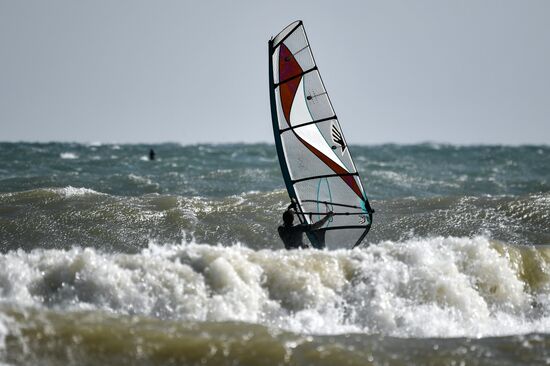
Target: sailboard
[[316, 163]]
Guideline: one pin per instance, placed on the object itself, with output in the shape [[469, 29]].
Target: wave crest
[[436, 287]]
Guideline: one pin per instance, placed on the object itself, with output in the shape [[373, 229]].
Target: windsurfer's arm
[[319, 224]]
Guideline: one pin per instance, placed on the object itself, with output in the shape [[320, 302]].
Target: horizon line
[[426, 142]]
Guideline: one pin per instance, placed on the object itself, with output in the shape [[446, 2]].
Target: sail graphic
[[315, 160]]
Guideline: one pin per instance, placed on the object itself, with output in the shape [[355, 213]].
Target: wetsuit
[[292, 236]]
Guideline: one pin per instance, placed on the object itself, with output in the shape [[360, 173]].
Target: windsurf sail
[[319, 172]]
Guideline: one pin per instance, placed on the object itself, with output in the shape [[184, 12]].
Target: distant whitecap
[[68, 155]]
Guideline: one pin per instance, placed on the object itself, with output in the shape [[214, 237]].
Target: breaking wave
[[438, 287]]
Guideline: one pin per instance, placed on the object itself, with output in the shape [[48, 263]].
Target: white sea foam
[[439, 287], [7, 326], [142, 180], [68, 155], [71, 191], [146, 158]]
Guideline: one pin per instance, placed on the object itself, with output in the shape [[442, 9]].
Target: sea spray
[[438, 287]]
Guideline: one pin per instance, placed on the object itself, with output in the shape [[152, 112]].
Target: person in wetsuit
[[292, 235]]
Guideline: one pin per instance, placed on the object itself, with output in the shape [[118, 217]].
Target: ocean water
[[108, 258]]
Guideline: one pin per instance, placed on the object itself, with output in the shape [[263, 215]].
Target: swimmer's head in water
[[288, 217]]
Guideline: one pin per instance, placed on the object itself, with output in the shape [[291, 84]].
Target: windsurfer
[[292, 235]]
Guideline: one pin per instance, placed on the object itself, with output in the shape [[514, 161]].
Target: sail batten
[[323, 176], [315, 161], [296, 76], [307, 123]]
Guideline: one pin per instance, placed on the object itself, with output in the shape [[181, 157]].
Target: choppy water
[[108, 258]]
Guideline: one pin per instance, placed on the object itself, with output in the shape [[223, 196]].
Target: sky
[[129, 71]]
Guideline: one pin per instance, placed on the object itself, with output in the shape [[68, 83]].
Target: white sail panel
[[275, 63], [285, 32], [299, 113]]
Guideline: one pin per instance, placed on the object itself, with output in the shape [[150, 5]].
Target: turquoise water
[[389, 171], [107, 257]]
